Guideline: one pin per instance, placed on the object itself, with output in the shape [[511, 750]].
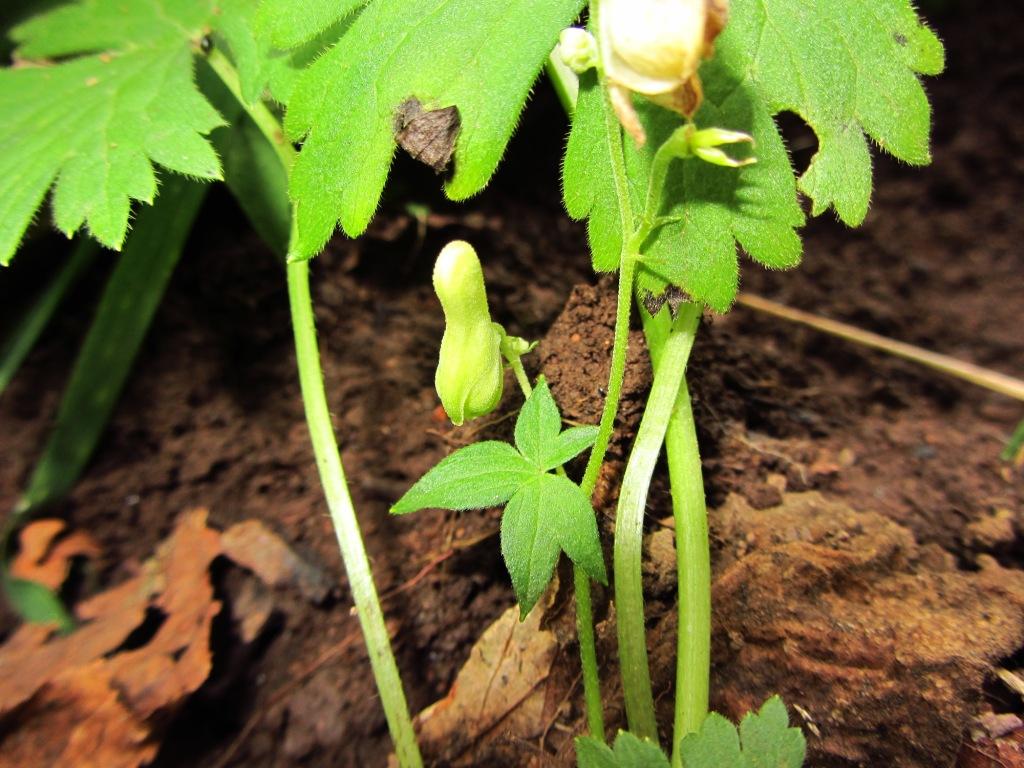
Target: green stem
[[328, 458], [261, 115], [346, 526], [629, 519], [693, 564]]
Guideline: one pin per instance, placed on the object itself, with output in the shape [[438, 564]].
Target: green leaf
[[847, 67], [92, 126], [26, 332], [126, 309], [478, 55], [547, 515], [287, 24], [568, 445], [480, 475], [767, 739], [630, 752], [538, 424], [528, 545], [37, 604]]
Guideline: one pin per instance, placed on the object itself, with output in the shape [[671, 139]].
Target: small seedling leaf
[[538, 425], [548, 515], [480, 475], [478, 56], [629, 752], [568, 445], [528, 545], [121, 98], [767, 741]]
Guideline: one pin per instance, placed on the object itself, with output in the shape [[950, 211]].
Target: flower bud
[[469, 374], [654, 47], [578, 49]]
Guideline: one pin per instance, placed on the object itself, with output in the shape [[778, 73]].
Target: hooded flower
[[654, 47], [469, 374]]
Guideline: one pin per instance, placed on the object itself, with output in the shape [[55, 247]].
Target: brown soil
[[212, 418]]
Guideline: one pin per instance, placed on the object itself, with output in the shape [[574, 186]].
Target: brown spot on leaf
[[427, 135]]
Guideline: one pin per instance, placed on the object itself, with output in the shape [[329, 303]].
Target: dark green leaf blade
[[453, 52], [568, 445], [126, 309], [538, 425], [528, 545], [480, 475]]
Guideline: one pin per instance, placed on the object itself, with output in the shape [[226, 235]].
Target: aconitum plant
[[674, 160]]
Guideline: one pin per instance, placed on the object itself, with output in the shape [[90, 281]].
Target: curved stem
[[328, 458], [346, 526], [629, 519]]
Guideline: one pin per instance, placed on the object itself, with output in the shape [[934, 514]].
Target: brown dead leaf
[[499, 686], [45, 556], [78, 699], [77, 719]]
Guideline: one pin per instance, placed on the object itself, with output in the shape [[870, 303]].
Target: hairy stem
[[343, 515], [328, 458]]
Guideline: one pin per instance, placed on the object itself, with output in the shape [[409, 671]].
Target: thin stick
[[975, 374]]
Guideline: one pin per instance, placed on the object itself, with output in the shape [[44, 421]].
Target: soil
[[212, 417]]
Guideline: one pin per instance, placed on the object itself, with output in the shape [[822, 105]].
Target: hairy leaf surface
[[849, 68], [480, 56], [120, 98]]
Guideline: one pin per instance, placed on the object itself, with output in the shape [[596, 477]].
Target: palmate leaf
[[121, 98], [849, 68], [481, 56], [767, 741]]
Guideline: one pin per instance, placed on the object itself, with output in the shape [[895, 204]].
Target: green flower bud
[[469, 375], [578, 49], [687, 141]]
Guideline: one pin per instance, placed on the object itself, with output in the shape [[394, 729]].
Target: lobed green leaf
[[849, 68], [287, 24], [767, 741], [629, 752], [93, 126], [568, 445]]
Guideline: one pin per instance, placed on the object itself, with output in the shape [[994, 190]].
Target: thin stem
[[346, 526], [629, 519], [520, 373], [328, 458], [261, 115]]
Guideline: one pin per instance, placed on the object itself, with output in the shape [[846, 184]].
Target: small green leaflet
[[629, 752], [93, 125], [766, 738], [545, 513], [286, 24], [479, 55], [849, 68]]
